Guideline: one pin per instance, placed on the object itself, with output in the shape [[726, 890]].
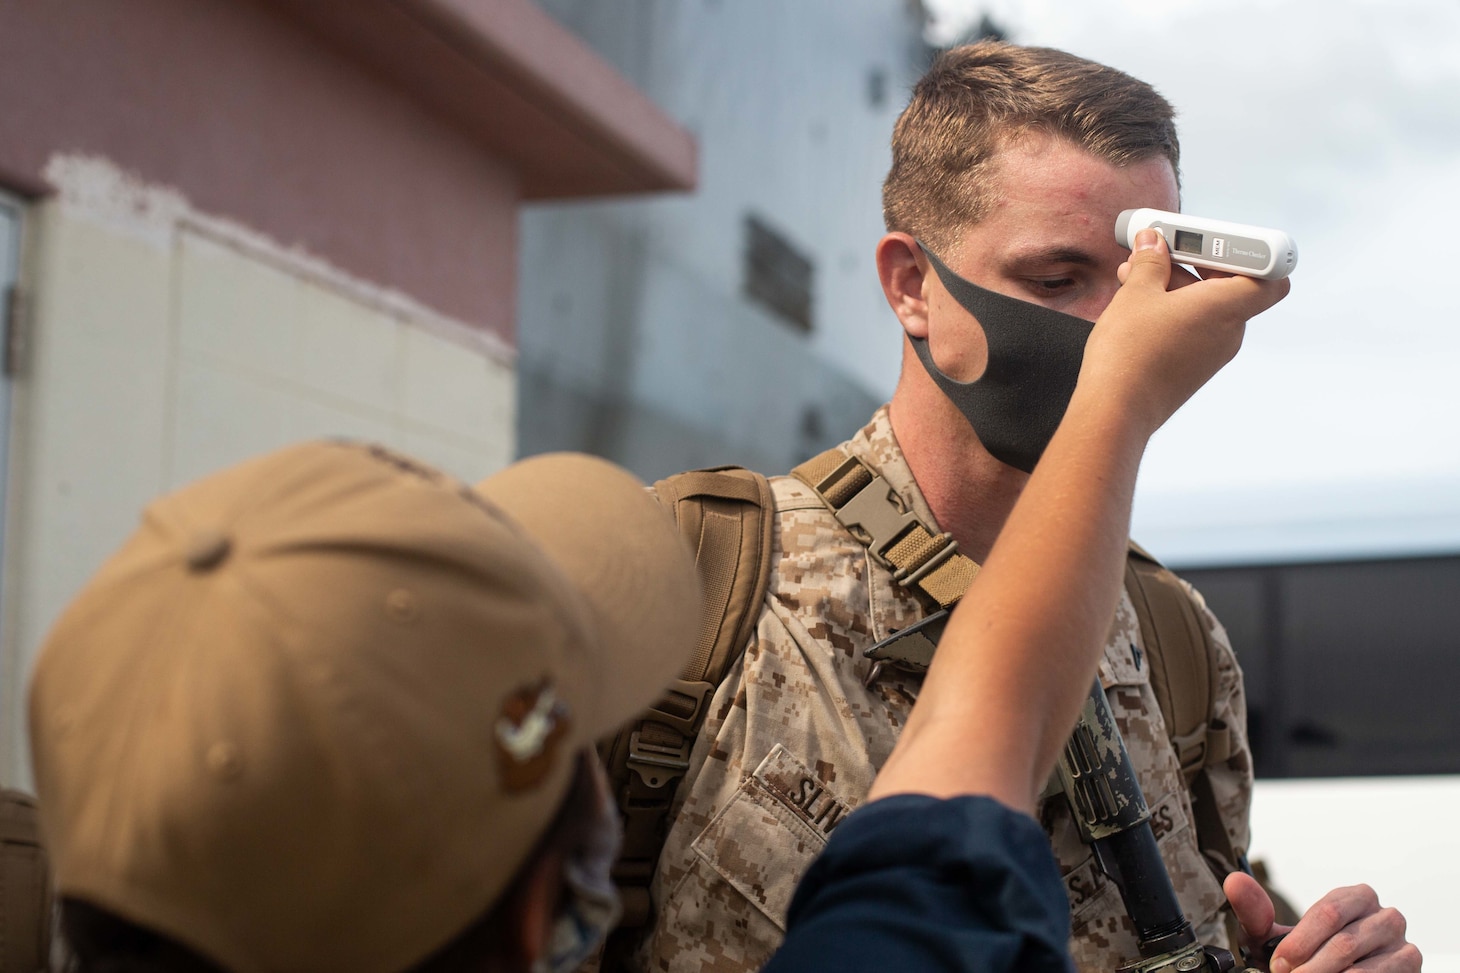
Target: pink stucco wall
[[258, 120]]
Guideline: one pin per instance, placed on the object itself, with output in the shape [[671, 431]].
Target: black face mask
[[1034, 360]]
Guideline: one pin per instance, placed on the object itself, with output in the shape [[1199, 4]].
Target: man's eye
[[1050, 286]]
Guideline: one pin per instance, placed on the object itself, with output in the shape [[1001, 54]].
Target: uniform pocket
[[766, 837]]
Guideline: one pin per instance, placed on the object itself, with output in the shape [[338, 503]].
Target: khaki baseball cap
[[315, 712]]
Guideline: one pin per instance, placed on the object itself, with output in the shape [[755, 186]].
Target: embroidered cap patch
[[532, 723]]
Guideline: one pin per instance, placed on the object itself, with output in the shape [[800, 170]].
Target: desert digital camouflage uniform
[[794, 738]]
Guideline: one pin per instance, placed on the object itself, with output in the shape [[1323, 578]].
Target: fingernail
[[1280, 966], [1146, 240]]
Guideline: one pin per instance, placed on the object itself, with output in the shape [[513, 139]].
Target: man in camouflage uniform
[[795, 737], [1011, 164]]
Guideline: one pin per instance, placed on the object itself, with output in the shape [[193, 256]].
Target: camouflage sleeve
[[735, 849]]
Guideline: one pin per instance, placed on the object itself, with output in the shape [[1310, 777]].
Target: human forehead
[[1045, 189]]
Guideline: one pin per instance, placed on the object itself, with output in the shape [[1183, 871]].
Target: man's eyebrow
[[1053, 255]]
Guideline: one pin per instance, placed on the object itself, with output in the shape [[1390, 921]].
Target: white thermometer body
[[1253, 251]]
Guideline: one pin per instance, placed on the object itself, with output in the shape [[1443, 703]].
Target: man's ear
[[902, 268]]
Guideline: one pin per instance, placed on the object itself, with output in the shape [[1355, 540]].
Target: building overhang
[[509, 76]]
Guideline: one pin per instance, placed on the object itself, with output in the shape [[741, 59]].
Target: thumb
[[1150, 261], [1250, 904]]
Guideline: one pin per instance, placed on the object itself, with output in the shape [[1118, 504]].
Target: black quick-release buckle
[[657, 764], [659, 749]]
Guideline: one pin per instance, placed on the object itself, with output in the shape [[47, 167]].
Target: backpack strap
[[726, 514], [1182, 679], [25, 887], [1182, 658], [867, 506]]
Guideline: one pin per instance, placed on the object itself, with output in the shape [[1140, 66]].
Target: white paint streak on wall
[[168, 343], [99, 191]]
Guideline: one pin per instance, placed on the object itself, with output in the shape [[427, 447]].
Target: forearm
[[1024, 642]]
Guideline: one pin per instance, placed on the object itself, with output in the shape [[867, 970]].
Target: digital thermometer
[[1252, 251]]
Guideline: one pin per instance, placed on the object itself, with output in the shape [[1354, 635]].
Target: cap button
[[223, 761], [401, 606], [207, 549]]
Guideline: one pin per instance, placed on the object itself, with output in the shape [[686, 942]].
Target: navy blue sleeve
[[917, 883]]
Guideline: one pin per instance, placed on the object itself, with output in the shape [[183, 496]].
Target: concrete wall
[[165, 343], [638, 358], [636, 338]]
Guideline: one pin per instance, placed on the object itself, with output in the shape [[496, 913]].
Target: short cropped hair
[[977, 97]]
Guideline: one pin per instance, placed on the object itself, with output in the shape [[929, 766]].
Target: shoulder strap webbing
[[1181, 680], [866, 505], [1182, 658], [727, 516], [25, 888]]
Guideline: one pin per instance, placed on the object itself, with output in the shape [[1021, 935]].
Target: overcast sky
[[1334, 431]]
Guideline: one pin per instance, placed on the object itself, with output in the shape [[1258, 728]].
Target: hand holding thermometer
[[1253, 251]]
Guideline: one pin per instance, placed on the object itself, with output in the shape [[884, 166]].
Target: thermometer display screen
[[1188, 242]]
